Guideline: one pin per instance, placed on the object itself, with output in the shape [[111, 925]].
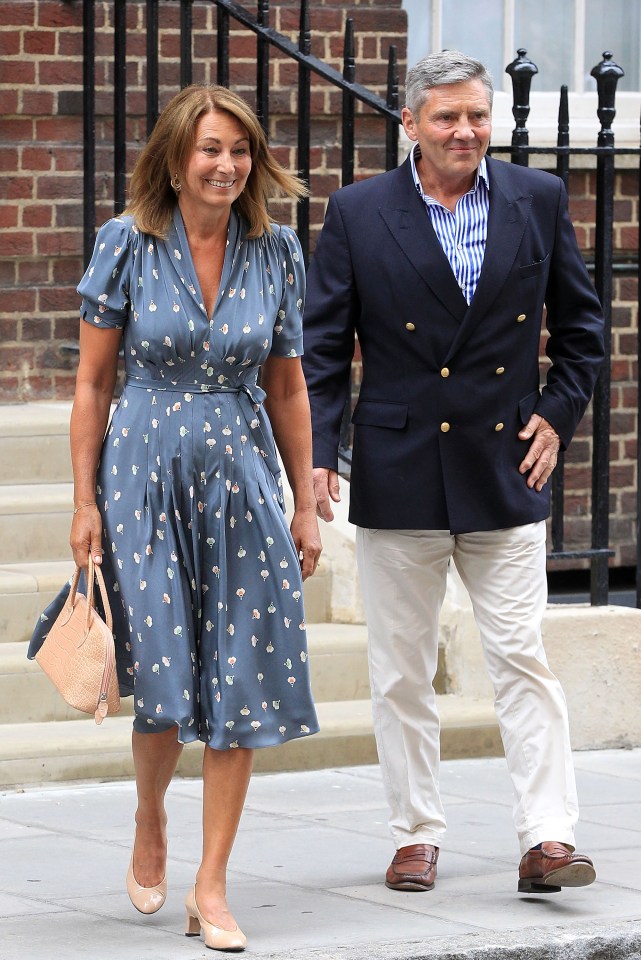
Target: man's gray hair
[[449, 66]]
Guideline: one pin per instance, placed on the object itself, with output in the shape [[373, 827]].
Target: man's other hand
[[326, 489], [543, 453]]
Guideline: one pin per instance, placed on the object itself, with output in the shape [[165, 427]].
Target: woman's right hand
[[86, 535]]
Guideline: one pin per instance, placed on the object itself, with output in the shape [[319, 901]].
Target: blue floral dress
[[198, 557]]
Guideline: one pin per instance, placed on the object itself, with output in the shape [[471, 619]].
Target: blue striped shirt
[[462, 234]]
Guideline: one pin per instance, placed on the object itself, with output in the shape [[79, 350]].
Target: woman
[[184, 492]]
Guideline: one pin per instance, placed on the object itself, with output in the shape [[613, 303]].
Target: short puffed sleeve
[[288, 329], [105, 286]]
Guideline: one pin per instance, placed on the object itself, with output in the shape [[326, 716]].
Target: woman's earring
[[176, 184]]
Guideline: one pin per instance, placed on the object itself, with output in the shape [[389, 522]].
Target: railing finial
[[521, 71], [607, 74]]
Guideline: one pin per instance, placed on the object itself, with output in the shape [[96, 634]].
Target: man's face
[[453, 130]]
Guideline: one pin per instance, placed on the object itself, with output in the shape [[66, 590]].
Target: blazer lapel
[[409, 224], [508, 217]]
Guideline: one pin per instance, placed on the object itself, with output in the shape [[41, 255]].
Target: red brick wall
[[41, 183], [41, 137]]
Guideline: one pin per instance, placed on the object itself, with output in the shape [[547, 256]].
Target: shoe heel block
[[531, 886]]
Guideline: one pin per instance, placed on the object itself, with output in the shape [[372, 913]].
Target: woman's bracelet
[[90, 503]]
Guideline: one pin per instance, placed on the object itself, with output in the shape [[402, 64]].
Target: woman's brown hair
[[153, 199]]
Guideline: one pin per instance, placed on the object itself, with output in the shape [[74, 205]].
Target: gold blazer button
[[500, 370], [410, 326], [520, 318], [499, 426], [445, 372], [445, 427]]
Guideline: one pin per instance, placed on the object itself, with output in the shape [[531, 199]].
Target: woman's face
[[219, 165]]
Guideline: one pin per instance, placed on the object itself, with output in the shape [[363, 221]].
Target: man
[[442, 267]]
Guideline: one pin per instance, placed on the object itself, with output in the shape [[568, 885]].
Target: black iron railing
[[521, 71], [606, 74]]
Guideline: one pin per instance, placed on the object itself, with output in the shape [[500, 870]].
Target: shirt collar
[[415, 154]]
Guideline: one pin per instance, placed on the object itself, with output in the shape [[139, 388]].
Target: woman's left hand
[[304, 529]]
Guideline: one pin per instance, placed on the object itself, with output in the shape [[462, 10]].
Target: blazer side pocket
[[380, 413], [527, 405], [533, 269]]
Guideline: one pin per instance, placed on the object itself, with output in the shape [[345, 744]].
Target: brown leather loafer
[[552, 867], [413, 868]]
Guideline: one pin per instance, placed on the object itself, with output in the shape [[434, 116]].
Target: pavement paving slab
[[306, 875]]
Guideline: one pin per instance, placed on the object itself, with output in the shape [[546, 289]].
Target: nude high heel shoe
[[145, 899], [215, 937]]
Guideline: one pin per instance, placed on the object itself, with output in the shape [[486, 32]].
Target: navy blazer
[[446, 387]]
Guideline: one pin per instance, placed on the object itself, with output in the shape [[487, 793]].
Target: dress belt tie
[[256, 394], [250, 400]]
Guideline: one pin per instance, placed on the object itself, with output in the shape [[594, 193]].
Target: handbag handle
[[93, 573]]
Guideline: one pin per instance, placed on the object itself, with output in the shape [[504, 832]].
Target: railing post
[[347, 122], [558, 476], [638, 523], [391, 127], [563, 138], [152, 64], [347, 177], [120, 105], [222, 47], [606, 74], [304, 121], [89, 128], [521, 72], [185, 43], [262, 68]]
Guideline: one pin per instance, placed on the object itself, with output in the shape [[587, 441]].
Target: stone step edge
[[55, 497], [617, 939], [78, 750], [36, 419], [34, 576], [26, 577], [324, 639]]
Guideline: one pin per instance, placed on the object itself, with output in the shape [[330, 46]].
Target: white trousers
[[403, 576]]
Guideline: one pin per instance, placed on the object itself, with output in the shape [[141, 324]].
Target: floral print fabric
[[205, 579]]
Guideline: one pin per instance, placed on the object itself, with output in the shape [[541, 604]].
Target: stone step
[[338, 668], [78, 750], [34, 533], [26, 588], [339, 664], [34, 443], [35, 522], [338, 661], [28, 696]]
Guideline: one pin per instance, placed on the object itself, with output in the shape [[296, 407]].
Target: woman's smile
[[222, 184]]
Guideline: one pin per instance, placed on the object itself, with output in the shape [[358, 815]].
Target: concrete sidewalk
[[306, 873]]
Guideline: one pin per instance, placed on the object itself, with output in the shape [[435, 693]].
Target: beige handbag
[[78, 654]]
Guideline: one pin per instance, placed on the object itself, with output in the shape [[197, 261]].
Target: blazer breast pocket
[[533, 269], [380, 413]]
